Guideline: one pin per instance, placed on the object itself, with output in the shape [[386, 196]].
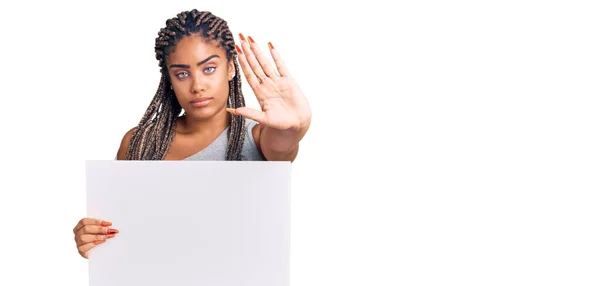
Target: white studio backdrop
[[452, 143]]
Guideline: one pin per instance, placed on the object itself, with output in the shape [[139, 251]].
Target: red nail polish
[[99, 241], [242, 37], [112, 230], [238, 49], [271, 46], [106, 223], [251, 40]]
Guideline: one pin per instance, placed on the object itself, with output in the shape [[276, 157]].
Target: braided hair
[[152, 137]]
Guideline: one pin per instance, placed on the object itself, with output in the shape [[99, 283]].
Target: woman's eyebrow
[[200, 63]]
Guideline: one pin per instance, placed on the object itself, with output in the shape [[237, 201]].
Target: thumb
[[251, 113]]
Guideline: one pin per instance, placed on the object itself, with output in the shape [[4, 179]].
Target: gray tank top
[[217, 150]]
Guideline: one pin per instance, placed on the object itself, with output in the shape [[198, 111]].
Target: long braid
[[152, 138]]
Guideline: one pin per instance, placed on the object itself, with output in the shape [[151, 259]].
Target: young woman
[[199, 113]]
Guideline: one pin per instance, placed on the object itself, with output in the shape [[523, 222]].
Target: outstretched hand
[[283, 104]]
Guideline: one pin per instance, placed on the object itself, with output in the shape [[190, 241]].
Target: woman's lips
[[200, 102]]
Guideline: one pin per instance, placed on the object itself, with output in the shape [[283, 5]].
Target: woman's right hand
[[90, 232]]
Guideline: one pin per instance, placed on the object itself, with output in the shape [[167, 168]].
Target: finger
[[252, 61], [88, 238], [95, 229], [84, 249], [262, 60], [248, 73], [90, 221], [251, 113], [279, 63]]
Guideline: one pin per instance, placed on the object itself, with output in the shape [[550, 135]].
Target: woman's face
[[200, 74]]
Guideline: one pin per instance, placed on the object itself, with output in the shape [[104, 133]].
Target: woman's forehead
[[195, 48]]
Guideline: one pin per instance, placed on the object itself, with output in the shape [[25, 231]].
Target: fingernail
[[106, 223], [271, 46], [99, 241], [231, 110], [112, 230], [242, 37], [238, 49], [110, 236], [251, 40]]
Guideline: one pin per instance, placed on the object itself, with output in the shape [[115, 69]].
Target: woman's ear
[[231, 69]]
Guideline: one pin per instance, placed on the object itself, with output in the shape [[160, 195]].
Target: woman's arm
[[279, 145], [285, 114]]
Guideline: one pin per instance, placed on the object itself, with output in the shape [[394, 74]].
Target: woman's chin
[[205, 113]]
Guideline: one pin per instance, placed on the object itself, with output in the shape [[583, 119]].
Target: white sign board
[[184, 223]]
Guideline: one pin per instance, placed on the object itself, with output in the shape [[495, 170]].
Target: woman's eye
[[182, 74], [210, 69]]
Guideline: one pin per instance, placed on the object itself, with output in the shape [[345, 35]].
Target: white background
[[453, 142]]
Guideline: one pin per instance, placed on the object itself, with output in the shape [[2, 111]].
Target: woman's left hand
[[283, 104]]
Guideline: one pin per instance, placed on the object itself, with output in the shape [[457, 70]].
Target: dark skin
[[199, 69]]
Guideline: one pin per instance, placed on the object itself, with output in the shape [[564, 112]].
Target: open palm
[[283, 104]]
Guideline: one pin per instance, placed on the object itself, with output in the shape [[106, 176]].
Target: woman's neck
[[193, 126]]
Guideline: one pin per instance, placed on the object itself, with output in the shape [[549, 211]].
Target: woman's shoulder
[[251, 147], [252, 131], [252, 142], [125, 144]]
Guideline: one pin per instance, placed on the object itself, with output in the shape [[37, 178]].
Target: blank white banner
[[191, 222]]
